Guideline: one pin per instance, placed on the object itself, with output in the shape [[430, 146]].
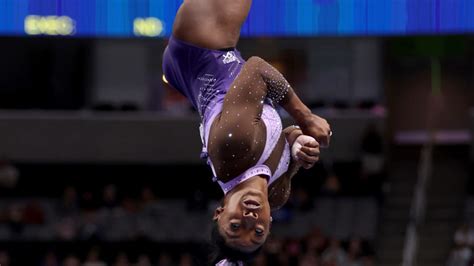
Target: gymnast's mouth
[[252, 204]]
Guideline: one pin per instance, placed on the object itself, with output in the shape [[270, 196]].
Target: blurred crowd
[[314, 249], [110, 214], [85, 216], [94, 258], [461, 254], [78, 216], [111, 209]]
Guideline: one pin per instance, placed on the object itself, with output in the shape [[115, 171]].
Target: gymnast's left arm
[[305, 155]]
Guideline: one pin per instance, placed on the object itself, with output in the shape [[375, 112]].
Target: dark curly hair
[[220, 250]]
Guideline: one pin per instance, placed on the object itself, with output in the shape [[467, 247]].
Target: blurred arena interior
[[99, 159]]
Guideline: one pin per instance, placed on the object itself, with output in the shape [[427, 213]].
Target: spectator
[[66, 228], [273, 248], [261, 260], [110, 199], [33, 213], [147, 197], [88, 201], [9, 174], [67, 225], [331, 262], [309, 259], [294, 250], [334, 254], [146, 218], [368, 261], [120, 223], [283, 259], [143, 260], [69, 205], [354, 253], [90, 228], [50, 260], [71, 260], [93, 258], [15, 220], [185, 260], [4, 258], [122, 260], [332, 186], [459, 256], [165, 260], [464, 236], [315, 242]]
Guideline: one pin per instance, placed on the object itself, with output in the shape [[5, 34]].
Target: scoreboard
[[286, 18]]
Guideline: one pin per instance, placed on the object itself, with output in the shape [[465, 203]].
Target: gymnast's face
[[244, 219]]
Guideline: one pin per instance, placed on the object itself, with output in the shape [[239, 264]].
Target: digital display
[[288, 18]]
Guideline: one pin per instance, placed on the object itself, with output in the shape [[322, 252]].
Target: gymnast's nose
[[250, 216]]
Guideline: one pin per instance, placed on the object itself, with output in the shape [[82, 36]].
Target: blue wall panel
[[117, 18]]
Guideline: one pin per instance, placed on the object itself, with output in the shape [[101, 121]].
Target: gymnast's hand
[[305, 151], [318, 128]]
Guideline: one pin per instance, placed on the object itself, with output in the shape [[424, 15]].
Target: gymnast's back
[[212, 24]]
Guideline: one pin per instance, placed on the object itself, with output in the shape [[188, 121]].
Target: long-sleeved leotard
[[242, 131]]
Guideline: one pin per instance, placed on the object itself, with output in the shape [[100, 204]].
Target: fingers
[[312, 144], [308, 155], [311, 151], [308, 159]]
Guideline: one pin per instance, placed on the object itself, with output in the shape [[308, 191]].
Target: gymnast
[[252, 157]]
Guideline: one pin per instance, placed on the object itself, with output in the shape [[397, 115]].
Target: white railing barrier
[[418, 206]]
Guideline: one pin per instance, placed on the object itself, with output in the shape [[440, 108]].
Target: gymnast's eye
[[234, 226], [259, 232]]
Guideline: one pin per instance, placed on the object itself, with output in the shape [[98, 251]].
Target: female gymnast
[[243, 140]]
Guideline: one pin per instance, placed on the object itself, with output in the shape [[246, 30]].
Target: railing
[[418, 206]]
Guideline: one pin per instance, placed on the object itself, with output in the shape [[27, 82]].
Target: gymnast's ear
[[217, 213]]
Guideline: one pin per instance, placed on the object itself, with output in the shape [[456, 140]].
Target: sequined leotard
[[240, 127]]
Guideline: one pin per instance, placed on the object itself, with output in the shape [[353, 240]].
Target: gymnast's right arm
[[280, 92]]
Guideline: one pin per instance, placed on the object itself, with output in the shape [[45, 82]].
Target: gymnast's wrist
[[292, 133], [301, 115]]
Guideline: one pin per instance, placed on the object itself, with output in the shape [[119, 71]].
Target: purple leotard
[[204, 76]]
